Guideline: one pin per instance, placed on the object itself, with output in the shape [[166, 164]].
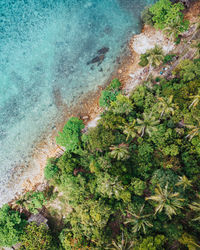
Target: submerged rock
[[103, 51], [100, 56], [97, 59]]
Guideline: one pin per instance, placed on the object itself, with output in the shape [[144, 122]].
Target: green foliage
[[110, 93], [195, 206], [154, 57], [11, 226], [147, 16], [164, 13], [139, 221], [100, 138], [167, 200], [143, 60], [50, 169], [138, 186], [189, 241], [147, 124], [122, 105], [111, 187], [153, 243], [32, 201], [70, 136], [138, 96], [36, 237], [188, 70], [120, 152], [164, 177], [168, 58]]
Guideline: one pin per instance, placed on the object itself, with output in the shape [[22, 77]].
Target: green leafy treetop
[[11, 226], [167, 200], [50, 169], [110, 93], [164, 12], [36, 238], [122, 105], [70, 136], [153, 243], [153, 57]]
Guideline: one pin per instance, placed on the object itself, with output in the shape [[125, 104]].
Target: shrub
[[164, 13], [70, 136], [11, 226], [50, 169], [100, 138], [32, 201], [168, 58], [157, 79], [152, 243], [138, 186], [36, 237], [143, 60], [110, 93], [188, 70], [147, 16], [122, 105]]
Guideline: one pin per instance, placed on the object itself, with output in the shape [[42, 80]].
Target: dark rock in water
[[100, 70], [103, 51], [100, 56], [92, 68], [97, 59]]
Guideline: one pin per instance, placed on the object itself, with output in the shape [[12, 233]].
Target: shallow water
[[46, 52]]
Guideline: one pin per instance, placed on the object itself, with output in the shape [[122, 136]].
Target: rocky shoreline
[[130, 75]]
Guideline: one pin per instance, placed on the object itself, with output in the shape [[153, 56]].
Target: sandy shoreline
[[87, 108]]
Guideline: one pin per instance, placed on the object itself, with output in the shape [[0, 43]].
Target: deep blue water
[[45, 50]]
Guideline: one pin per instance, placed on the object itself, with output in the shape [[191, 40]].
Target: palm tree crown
[[167, 200], [130, 130], [123, 244], [155, 56], [147, 124], [120, 152], [165, 106], [196, 99], [195, 130], [183, 181], [195, 206], [174, 29], [139, 221]]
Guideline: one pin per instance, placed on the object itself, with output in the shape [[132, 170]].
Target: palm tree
[[147, 124], [195, 206], [123, 244], [196, 99], [139, 221], [120, 152], [165, 106], [129, 130], [174, 29], [183, 181], [167, 200], [195, 130], [155, 56]]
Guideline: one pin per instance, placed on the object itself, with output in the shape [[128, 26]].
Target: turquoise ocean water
[[47, 47]]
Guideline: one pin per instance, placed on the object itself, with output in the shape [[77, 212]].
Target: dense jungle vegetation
[[132, 182]]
